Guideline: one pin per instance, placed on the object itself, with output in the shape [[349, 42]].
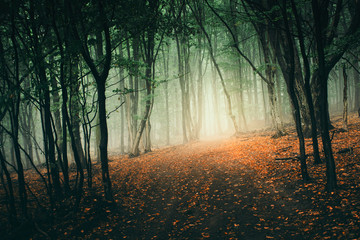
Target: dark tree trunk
[[322, 77], [265, 105], [265, 38], [86, 128], [75, 109], [291, 89], [100, 78], [73, 145], [356, 77], [307, 87], [104, 141], [14, 122], [345, 100], [9, 190], [49, 142]]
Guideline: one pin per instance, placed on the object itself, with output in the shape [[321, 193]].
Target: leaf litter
[[223, 189]]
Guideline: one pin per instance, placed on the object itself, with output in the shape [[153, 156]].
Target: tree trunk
[[289, 46], [241, 97], [256, 97], [307, 88], [49, 137], [73, 145], [166, 91], [188, 89], [236, 45], [97, 138], [345, 100], [356, 77], [86, 126], [122, 99], [14, 116], [37, 147], [148, 44], [215, 92], [132, 98], [265, 105], [129, 102], [322, 79], [11, 200], [275, 116], [301, 95], [147, 136], [75, 112], [270, 76], [104, 141], [25, 119], [227, 95], [278, 95], [100, 78], [56, 104], [183, 89], [135, 147], [135, 85], [199, 122]]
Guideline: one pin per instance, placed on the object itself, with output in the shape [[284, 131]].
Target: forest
[[179, 119]]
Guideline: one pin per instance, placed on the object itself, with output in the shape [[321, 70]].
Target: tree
[[37, 39], [345, 100], [100, 75], [307, 87], [216, 65], [269, 79], [285, 53], [152, 10], [325, 30], [291, 89]]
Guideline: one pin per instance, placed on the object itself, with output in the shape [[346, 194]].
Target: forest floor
[[235, 188]]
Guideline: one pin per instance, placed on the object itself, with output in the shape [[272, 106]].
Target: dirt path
[[210, 189], [221, 189]]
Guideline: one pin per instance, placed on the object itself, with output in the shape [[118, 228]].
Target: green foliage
[[134, 67], [124, 91]]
